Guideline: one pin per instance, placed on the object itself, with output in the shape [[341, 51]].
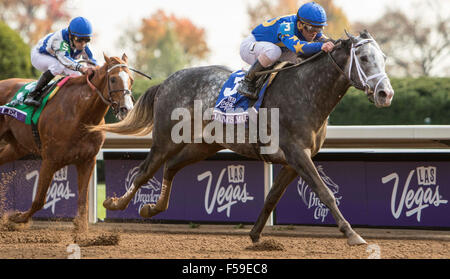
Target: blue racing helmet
[[80, 27], [313, 14]]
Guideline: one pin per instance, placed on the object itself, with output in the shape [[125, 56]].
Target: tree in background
[[164, 44], [14, 55], [34, 18], [266, 9], [415, 45]]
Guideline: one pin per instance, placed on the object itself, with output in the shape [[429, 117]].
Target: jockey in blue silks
[[56, 53], [283, 38]]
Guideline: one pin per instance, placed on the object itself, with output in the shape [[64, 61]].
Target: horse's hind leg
[[286, 175], [303, 164], [45, 177], [147, 169], [190, 154]]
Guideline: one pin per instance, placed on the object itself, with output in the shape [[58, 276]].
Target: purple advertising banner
[[409, 193], [231, 191], [300, 205], [19, 185], [399, 194]]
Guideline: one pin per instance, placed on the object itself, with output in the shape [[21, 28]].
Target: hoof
[[254, 238], [148, 211], [18, 217], [113, 204], [355, 239]]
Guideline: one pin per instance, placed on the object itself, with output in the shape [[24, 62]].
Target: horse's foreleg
[[45, 177], [148, 168], [303, 164], [286, 175], [84, 175]]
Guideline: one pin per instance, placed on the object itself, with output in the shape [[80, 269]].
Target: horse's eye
[[364, 58], [113, 80]]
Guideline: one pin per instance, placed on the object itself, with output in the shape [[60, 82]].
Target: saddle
[[269, 77]]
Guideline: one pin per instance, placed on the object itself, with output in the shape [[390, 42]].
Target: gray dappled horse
[[305, 96]]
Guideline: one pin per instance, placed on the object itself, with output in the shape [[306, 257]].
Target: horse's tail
[[139, 121]]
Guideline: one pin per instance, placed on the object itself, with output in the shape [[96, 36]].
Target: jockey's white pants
[[44, 62], [266, 53]]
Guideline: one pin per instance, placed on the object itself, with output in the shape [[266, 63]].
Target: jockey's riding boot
[[34, 97], [247, 85]]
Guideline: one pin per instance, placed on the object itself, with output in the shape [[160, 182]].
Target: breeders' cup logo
[[310, 199], [58, 190], [147, 193], [415, 199], [224, 197]]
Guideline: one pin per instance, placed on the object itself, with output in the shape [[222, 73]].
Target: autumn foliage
[[33, 19], [163, 44], [191, 38]]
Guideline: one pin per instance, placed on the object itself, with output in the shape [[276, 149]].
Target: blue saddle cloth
[[231, 107]]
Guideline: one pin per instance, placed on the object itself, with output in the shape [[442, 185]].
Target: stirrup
[[246, 91], [31, 101]]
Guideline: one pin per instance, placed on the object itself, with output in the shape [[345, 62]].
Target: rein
[[108, 101], [364, 79], [290, 67]]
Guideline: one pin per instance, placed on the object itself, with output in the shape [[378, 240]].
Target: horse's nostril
[[124, 110], [382, 94]]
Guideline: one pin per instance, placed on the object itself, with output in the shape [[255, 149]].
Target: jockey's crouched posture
[[283, 39], [55, 55]]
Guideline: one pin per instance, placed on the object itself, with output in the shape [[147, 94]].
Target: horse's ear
[[125, 58], [364, 34], [107, 60], [350, 36]]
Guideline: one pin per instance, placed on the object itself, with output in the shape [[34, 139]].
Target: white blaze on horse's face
[[372, 63], [128, 102]]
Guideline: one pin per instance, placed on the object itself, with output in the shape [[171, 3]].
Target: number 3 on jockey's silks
[[230, 91]]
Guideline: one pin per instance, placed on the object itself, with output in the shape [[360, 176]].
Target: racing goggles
[[313, 29], [82, 39]]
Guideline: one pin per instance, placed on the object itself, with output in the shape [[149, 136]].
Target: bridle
[[110, 101], [363, 78]]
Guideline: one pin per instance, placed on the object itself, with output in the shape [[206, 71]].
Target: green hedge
[[14, 55], [416, 101], [140, 85]]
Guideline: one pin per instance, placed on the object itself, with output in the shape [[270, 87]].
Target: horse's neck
[[326, 87], [89, 106]]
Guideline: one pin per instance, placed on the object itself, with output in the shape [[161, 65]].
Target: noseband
[[109, 101], [363, 78]]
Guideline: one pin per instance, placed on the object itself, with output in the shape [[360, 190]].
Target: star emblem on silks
[[299, 47]]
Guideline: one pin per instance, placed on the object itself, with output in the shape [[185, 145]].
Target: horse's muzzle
[[122, 113], [383, 97]]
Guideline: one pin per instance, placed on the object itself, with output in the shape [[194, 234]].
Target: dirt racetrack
[[54, 240]]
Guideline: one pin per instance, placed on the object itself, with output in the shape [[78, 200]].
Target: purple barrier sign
[[20, 178], [205, 191], [409, 193], [300, 205], [373, 193]]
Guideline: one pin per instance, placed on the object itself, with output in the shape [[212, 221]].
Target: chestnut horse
[[82, 101]]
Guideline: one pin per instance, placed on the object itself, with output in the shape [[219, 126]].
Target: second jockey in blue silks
[[283, 39], [56, 53]]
